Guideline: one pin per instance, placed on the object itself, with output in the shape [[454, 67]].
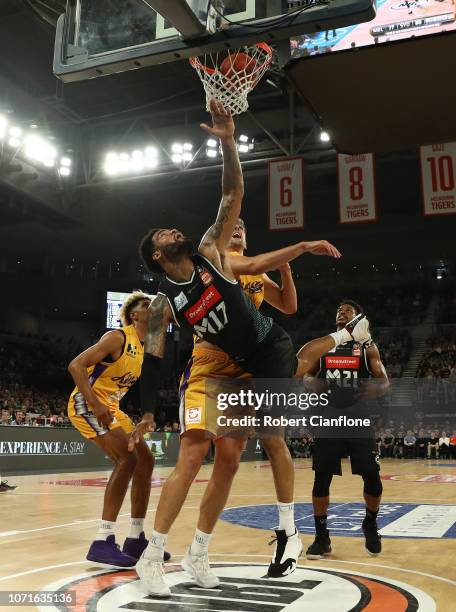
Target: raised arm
[[266, 262], [218, 236], [283, 298], [159, 318]]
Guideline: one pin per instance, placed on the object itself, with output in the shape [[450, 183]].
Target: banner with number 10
[[438, 178]]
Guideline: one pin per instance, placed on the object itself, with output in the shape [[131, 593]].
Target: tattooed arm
[[215, 241], [160, 316]]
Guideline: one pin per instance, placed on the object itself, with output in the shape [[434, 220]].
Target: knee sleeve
[[321, 484], [372, 484]]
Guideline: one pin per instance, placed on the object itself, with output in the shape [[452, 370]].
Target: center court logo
[[245, 588]]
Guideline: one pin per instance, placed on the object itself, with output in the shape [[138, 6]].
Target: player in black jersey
[[199, 291], [342, 358]]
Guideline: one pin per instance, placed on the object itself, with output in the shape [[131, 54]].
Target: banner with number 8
[[438, 178], [357, 197]]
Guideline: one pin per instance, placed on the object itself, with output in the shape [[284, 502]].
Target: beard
[[178, 250]]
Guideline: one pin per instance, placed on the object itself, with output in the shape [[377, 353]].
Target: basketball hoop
[[229, 78]]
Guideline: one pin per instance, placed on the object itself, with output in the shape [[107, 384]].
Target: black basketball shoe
[[373, 538], [320, 547], [286, 554], [4, 486]]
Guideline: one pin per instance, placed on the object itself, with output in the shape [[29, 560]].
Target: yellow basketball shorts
[[86, 422], [207, 373]]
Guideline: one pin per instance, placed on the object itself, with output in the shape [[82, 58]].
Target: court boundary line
[[387, 567]]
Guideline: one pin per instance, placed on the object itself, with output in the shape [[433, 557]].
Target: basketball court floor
[[48, 522]]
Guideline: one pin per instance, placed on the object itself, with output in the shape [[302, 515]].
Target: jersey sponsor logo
[[180, 301], [342, 362], [244, 586], [209, 298], [125, 381], [395, 520], [132, 350], [193, 416], [205, 276], [356, 350]]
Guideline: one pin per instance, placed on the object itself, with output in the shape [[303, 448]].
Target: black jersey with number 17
[[216, 309]]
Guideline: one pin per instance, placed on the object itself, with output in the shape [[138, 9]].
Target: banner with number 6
[[286, 194], [357, 197], [438, 178]]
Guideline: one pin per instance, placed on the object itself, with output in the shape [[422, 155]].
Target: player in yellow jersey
[[199, 425], [103, 374]]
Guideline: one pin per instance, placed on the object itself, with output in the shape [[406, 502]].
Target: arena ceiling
[[107, 219]]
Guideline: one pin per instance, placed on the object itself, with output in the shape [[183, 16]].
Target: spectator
[[409, 445], [6, 417], [444, 446], [19, 418], [433, 446], [453, 446], [386, 445], [398, 446], [421, 445]]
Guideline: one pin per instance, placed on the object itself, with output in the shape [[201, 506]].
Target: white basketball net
[[232, 88]]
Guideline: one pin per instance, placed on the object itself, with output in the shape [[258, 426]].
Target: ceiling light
[[324, 137]]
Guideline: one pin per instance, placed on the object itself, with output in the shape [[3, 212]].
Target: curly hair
[[131, 302]]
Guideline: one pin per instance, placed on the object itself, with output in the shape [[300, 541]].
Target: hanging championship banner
[[357, 197], [286, 194], [438, 178]]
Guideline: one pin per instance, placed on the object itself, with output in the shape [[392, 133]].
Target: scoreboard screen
[[114, 301], [395, 20]]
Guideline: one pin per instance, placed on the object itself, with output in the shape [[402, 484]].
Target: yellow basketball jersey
[[111, 380], [253, 286]]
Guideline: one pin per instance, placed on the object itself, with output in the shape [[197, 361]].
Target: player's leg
[[287, 535], [103, 550], [136, 542], [277, 359], [373, 489], [193, 449], [326, 456], [228, 451], [114, 443], [365, 462]]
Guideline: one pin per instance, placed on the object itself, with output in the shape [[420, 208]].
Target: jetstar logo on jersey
[[245, 587], [209, 298], [342, 362]]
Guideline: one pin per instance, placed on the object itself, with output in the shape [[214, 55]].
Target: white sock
[[105, 529], [341, 336], [136, 527], [156, 546], [200, 544], [286, 518]]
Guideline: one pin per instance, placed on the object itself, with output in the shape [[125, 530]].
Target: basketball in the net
[[241, 65]]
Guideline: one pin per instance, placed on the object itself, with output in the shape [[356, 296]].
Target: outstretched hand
[[222, 121], [323, 247]]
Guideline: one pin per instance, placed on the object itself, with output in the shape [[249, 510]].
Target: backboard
[[108, 36]]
